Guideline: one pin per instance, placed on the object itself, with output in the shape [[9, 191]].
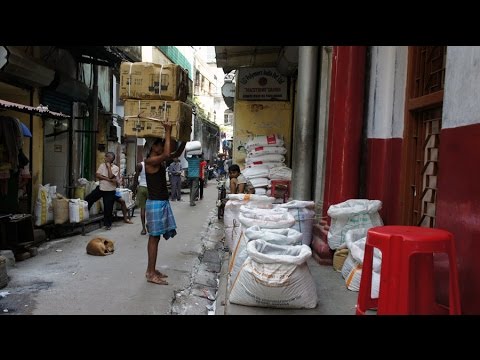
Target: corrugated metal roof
[[101, 55], [40, 110]]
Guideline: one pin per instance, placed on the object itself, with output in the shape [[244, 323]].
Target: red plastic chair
[[407, 272]]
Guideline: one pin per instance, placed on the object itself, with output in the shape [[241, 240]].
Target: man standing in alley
[[193, 177], [160, 219], [174, 174], [107, 174]]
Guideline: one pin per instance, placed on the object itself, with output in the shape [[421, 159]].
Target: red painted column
[[345, 125]]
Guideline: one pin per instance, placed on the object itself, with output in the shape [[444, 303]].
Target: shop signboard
[[262, 84]]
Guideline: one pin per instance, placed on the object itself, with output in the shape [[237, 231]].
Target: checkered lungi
[[160, 219]]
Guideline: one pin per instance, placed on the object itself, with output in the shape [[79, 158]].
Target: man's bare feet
[[156, 279], [161, 274], [144, 232], [127, 221]]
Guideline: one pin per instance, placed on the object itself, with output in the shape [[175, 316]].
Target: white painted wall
[[386, 99], [147, 54], [461, 105]]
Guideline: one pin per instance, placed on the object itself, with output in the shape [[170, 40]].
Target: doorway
[[56, 154], [425, 84]]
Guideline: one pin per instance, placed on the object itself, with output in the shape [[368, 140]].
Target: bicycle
[[222, 193]]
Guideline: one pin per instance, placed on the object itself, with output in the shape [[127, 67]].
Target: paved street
[[63, 279]]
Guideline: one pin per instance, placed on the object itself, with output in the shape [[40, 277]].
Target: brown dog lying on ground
[[100, 246]]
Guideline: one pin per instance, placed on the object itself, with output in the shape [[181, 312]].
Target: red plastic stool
[[406, 277], [283, 183]]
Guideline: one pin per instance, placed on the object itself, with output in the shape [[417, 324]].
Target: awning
[[17, 67], [39, 111], [234, 57], [284, 58], [110, 56]]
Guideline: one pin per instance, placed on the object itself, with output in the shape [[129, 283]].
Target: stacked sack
[[351, 220], [268, 267], [155, 94], [54, 207], [352, 267], [265, 161]]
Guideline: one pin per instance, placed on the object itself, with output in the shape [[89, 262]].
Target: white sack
[[352, 214], [78, 210], [304, 214], [275, 276], [273, 236], [264, 140], [231, 221]]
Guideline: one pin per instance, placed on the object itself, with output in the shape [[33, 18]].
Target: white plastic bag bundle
[[273, 236], [352, 214], [78, 210], [304, 214], [275, 276], [193, 148]]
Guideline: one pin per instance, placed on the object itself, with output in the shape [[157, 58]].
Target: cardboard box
[[143, 80], [144, 118]]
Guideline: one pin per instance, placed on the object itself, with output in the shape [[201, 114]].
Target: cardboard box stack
[[154, 94]]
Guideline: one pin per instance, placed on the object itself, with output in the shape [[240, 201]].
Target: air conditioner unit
[[17, 67]]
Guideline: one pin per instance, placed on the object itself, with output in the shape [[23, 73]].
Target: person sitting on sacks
[[239, 184]]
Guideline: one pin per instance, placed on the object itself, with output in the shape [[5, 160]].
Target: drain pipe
[[322, 124], [304, 129]]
